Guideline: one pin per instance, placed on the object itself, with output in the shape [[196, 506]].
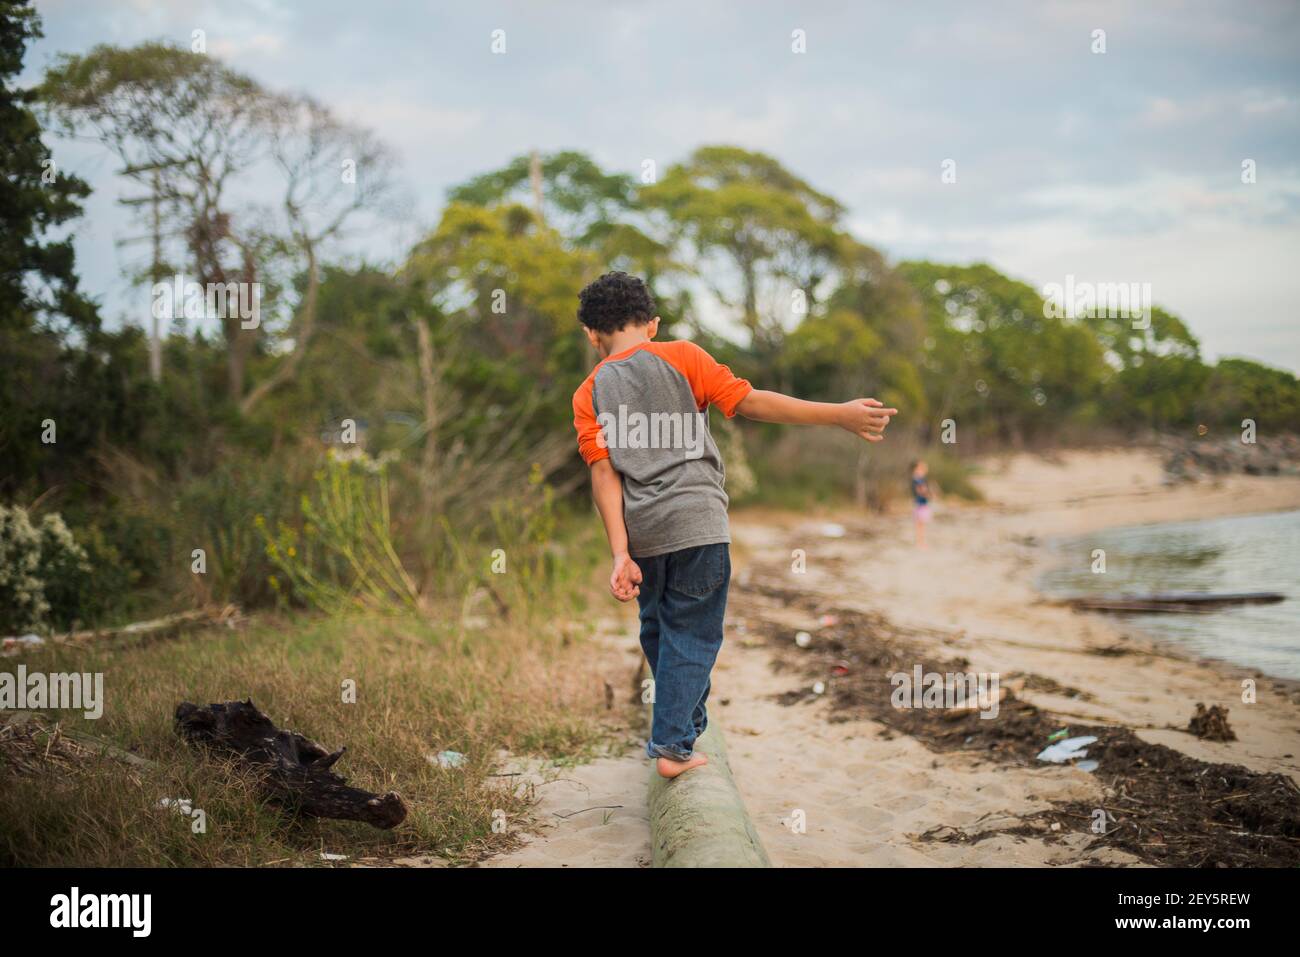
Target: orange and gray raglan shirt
[[646, 410]]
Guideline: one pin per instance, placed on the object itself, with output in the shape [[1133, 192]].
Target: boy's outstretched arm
[[864, 417], [607, 490]]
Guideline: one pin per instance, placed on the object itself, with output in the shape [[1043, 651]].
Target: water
[[1241, 554]]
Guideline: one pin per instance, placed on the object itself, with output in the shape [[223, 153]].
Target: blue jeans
[[683, 601]]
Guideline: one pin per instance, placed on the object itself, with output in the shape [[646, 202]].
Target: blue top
[[920, 490]]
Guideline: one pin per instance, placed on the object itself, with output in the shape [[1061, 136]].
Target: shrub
[[44, 573], [344, 557]]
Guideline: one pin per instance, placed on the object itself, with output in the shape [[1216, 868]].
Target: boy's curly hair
[[614, 300]]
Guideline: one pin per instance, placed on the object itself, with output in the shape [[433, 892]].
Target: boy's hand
[[866, 418], [625, 580]]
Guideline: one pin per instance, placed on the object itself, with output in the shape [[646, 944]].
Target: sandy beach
[[868, 795]]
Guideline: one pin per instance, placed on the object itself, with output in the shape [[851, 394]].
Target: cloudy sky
[[1122, 166]]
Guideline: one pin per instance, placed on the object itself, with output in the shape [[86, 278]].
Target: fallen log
[[213, 615], [294, 771], [698, 819], [1172, 602]]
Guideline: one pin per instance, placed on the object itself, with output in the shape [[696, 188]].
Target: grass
[[421, 688]]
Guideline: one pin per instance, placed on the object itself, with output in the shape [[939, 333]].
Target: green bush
[[340, 555], [44, 573], [218, 512]]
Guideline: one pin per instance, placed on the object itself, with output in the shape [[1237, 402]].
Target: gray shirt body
[[659, 441]]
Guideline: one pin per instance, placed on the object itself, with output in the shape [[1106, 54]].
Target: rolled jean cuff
[[663, 751]]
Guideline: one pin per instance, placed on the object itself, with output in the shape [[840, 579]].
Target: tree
[[202, 130], [591, 210], [332, 172], [995, 359], [762, 238], [1237, 389], [865, 339], [506, 286], [1159, 376], [500, 352], [38, 281], [579, 199], [44, 382], [186, 126]]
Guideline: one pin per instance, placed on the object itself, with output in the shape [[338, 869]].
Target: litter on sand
[[802, 639], [1067, 750], [833, 530]]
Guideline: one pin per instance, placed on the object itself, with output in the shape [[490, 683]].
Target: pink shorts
[[922, 513]]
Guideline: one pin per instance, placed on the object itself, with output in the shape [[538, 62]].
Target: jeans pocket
[[699, 571]]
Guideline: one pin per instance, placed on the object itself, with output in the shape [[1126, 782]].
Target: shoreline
[[1159, 643], [1227, 496]]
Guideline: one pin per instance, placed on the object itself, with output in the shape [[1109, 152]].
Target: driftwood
[[169, 625], [1176, 602], [294, 771], [212, 615]]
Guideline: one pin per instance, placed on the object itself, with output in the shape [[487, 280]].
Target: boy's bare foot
[[670, 769]]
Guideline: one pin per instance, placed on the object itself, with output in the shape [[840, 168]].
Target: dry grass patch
[[420, 689]]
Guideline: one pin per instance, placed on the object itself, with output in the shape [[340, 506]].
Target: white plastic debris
[[447, 759], [802, 639], [327, 856], [1067, 750], [833, 530], [819, 687], [12, 646], [181, 805], [1089, 765]]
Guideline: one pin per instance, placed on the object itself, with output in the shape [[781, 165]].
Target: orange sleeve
[[711, 382], [591, 440]]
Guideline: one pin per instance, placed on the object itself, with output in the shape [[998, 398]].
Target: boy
[[642, 421]]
